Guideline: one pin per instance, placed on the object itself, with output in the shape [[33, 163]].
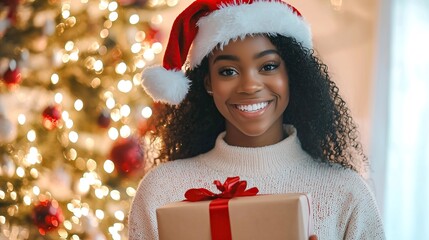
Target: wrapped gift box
[[282, 216]]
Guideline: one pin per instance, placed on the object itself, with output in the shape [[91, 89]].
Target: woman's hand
[[313, 237]]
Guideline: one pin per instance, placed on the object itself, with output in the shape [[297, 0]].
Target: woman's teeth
[[252, 107]]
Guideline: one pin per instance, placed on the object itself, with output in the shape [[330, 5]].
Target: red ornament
[[12, 77], [47, 216], [127, 155], [153, 35], [104, 119], [51, 116]]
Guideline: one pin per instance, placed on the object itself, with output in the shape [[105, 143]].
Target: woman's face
[[249, 82]]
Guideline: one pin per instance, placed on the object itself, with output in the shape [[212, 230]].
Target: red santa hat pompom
[[207, 24]]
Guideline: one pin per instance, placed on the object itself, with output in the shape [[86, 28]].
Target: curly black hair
[[323, 121]]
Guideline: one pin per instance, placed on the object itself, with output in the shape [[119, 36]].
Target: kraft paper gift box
[[273, 217]]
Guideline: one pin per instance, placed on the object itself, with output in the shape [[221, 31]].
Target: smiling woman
[[250, 90], [254, 102]]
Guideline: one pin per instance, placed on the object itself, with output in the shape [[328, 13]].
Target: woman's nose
[[249, 83]]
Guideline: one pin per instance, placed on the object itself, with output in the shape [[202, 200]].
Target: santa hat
[[207, 24]]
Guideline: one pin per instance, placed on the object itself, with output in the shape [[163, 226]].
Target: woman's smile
[[252, 108]]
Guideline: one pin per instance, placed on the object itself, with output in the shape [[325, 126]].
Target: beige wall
[[345, 40]]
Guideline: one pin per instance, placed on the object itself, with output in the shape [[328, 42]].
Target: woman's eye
[[227, 72], [270, 67]]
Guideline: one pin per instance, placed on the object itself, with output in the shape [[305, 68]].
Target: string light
[[58, 98], [65, 115], [78, 105], [134, 19], [172, 3], [27, 200], [34, 173], [31, 136], [149, 55], [115, 195], [125, 131], [83, 186], [157, 19], [73, 136], [55, 78], [125, 110], [99, 214], [157, 47], [69, 46], [20, 172], [113, 16], [69, 123], [113, 133], [70, 22], [74, 55], [108, 24], [21, 119], [103, 5], [36, 190], [13, 194], [63, 233], [136, 48], [33, 157], [121, 68], [113, 6], [91, 164], [98, 65], [115, 115], [95, 82], [131, 191], [65, 58], [99, 193], [108, 166], [140, 63], [104, 33], [137, 79], [65, 14], [110, 103], [146, 112], [119, 215]]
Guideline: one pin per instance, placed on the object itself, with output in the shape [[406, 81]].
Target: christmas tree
[[73, 115]]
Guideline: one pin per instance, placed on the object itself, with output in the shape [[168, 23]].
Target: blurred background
[[73, 116]]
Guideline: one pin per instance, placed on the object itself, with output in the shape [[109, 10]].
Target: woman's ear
[[208, 85]]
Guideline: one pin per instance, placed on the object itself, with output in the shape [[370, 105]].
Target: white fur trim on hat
[[167, 86], [232, 22]]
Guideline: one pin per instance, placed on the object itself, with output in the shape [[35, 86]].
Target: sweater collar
[[256, 161]]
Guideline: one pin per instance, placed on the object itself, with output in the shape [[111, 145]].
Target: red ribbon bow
[[232, 187], [220, 226]]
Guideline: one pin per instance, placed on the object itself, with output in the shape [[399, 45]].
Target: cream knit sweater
[[343, 205]]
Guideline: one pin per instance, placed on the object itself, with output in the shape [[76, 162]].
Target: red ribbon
[[220, 226]]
